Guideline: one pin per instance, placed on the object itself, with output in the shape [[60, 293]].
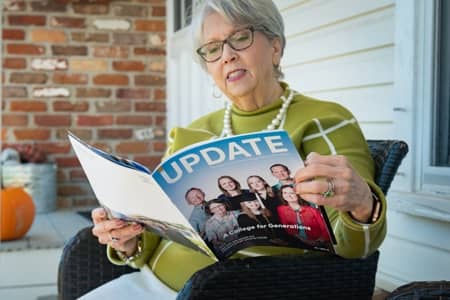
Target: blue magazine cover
[[220, 196]]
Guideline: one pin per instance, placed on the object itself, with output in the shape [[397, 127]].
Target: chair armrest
[[84, 266], [284, 277]]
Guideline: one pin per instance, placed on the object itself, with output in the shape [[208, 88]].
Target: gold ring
[[330, 191]]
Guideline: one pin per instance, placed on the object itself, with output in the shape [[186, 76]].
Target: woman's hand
[[350, 193], [116, 233]]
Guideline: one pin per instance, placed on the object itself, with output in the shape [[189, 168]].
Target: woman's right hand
[[116, 233]]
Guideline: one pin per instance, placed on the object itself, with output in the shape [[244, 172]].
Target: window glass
[[442, 113]]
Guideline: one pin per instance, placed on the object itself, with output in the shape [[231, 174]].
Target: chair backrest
[[388, 155]]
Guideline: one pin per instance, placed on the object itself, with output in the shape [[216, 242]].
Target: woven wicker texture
[[84, 265], [422, 290], [316, 277]]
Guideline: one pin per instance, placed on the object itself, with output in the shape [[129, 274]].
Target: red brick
[[46, 35], [55, 148], [70, 106], [160, 121], [129, 39], [158, 11], [113, 106], [149, 106], [71, 190], [53, 120], [87, 120], [64, 78], [26, 20], [48, 6], [77, 175], [28, 106], [84, 134], [13, 34], [26, 49], [133, 93], [68, 22], [70, 50], [117, 52], [111, 79], [14, 120], [120, 134], [14, 91], [130, 11], [4, 134], [150, 162], [14, 63], [159, 146], [134, 120], [128, 65], [93, 93], [159, 94], [149, 51], [14, 5], [149, 80], [32, 134], [150, 25], [71, 161], [90, 9], [90, 37], [28, 77], [133, 147]]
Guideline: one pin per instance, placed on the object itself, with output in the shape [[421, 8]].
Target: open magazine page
[[237, 192], [127, 191]]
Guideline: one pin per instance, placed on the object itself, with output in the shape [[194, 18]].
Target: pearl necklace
[[278, 121]]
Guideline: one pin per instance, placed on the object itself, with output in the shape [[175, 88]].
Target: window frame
[[433, 179]]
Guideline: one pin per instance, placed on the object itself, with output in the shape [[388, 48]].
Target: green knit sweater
[[314, 126]]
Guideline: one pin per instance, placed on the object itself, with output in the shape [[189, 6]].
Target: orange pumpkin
[[17, 213]]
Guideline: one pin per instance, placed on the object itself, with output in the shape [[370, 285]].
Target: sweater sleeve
[[150, 242], [338, 133]]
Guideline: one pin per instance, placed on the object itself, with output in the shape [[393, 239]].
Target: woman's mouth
[[236, 75]]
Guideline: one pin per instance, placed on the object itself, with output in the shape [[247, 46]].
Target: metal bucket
[[39, 180]]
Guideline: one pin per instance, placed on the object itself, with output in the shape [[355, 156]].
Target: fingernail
[[137, 227]]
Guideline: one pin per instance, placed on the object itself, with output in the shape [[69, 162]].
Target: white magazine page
[[122, 189]]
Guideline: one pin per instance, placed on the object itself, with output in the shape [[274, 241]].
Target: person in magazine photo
[[283, 175], [264, 192], [221, 222], [196, 198], [240, 45], [308, 223], [231, 189]]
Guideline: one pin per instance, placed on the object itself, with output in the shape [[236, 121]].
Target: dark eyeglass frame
[[227, 41]]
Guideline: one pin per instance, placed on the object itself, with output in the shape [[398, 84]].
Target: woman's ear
[[277, 51]]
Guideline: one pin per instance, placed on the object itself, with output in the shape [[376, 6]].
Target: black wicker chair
[[84, 265]]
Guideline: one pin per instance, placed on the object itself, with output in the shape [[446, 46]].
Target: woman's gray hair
[[262, 15]]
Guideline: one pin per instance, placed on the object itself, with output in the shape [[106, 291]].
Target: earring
[[216, 93]]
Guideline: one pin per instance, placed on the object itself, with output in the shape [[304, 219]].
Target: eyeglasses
[[239, 40]]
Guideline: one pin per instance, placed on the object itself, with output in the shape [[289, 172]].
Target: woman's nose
[[228, 54]]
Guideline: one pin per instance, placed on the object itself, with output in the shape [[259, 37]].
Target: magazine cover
[[218, 196]]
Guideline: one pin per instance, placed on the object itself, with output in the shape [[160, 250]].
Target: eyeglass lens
[[239, 40]]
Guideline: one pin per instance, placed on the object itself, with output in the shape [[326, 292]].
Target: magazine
[[218, 196]]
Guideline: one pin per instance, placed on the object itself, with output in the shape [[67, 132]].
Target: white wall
[[354, 52]]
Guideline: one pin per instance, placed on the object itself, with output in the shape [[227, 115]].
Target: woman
[[264, 192], [240, 45], [309, 224], [255, 216], [231, 188], [218, 226]]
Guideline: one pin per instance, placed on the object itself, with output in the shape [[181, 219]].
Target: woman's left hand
[[350, 192]]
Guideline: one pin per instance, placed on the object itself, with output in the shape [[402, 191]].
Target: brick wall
[[95, 67]]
